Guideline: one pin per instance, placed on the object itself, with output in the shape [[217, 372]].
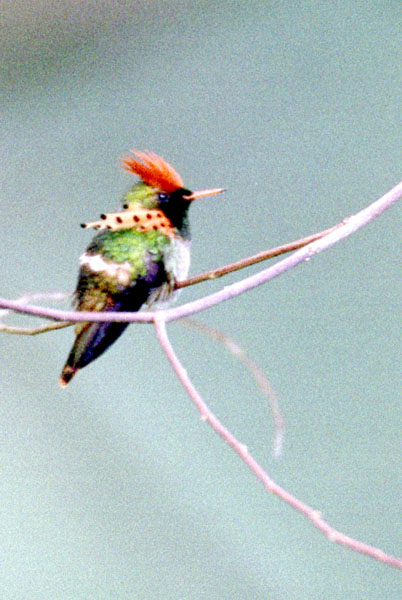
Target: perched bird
[[136, 258]]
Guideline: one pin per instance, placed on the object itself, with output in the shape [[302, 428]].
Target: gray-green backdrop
[[114, 488]]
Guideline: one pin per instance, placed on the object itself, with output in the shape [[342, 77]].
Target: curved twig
[[262, 381]]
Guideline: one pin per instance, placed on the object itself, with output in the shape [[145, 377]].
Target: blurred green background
[[114, 488]]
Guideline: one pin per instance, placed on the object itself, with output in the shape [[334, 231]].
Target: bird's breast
[[178, 257], [177, 265]]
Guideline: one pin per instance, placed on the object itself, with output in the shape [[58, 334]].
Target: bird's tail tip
[[66, 375]]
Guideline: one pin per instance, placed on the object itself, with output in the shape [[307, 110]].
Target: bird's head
[[159, 192]]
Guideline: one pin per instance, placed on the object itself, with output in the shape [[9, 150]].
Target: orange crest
[[153, 170]]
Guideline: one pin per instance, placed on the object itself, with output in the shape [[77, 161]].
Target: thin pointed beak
[[202, 193]]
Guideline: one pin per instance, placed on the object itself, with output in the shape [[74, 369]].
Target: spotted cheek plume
[[141, 219]]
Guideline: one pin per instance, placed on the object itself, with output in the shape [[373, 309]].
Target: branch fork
[[305, 250]]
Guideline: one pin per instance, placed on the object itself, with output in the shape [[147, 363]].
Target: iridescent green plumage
[[136, 258]]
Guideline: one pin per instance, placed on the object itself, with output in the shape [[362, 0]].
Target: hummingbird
[[136, 258]]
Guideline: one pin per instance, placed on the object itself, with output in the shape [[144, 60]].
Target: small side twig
[[23, 301], [236, 350], [207, 415], [34, 330]]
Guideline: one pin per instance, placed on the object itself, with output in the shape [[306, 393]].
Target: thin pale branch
[[207, 415], [236, 350], [349, 226]]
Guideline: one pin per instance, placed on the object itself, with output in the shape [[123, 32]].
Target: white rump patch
[[97, 264]]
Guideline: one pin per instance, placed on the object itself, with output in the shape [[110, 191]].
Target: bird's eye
[[162, 197]]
